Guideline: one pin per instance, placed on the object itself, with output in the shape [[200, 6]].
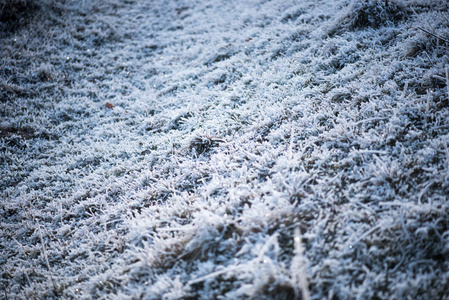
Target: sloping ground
[[224, 149]]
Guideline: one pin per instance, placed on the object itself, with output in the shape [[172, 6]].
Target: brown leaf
[[109, 105]]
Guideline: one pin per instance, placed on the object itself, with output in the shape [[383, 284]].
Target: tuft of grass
[[374, 13], [369, 13], [202, 143]]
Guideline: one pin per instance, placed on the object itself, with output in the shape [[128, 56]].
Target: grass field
[[211, 149]]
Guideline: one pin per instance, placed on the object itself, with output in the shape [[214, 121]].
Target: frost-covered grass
[[262, 149]]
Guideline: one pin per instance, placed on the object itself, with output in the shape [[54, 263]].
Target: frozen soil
[[261, 149]]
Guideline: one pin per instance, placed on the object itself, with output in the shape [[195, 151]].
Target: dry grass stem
[[434, 35]]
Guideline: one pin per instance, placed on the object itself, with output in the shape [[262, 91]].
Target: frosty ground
[[261, 149]]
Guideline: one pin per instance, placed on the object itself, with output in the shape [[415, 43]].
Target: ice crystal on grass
[[224, 149]]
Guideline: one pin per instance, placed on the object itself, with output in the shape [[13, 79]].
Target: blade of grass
[[44, 251], [434, 35], [447, 81]]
